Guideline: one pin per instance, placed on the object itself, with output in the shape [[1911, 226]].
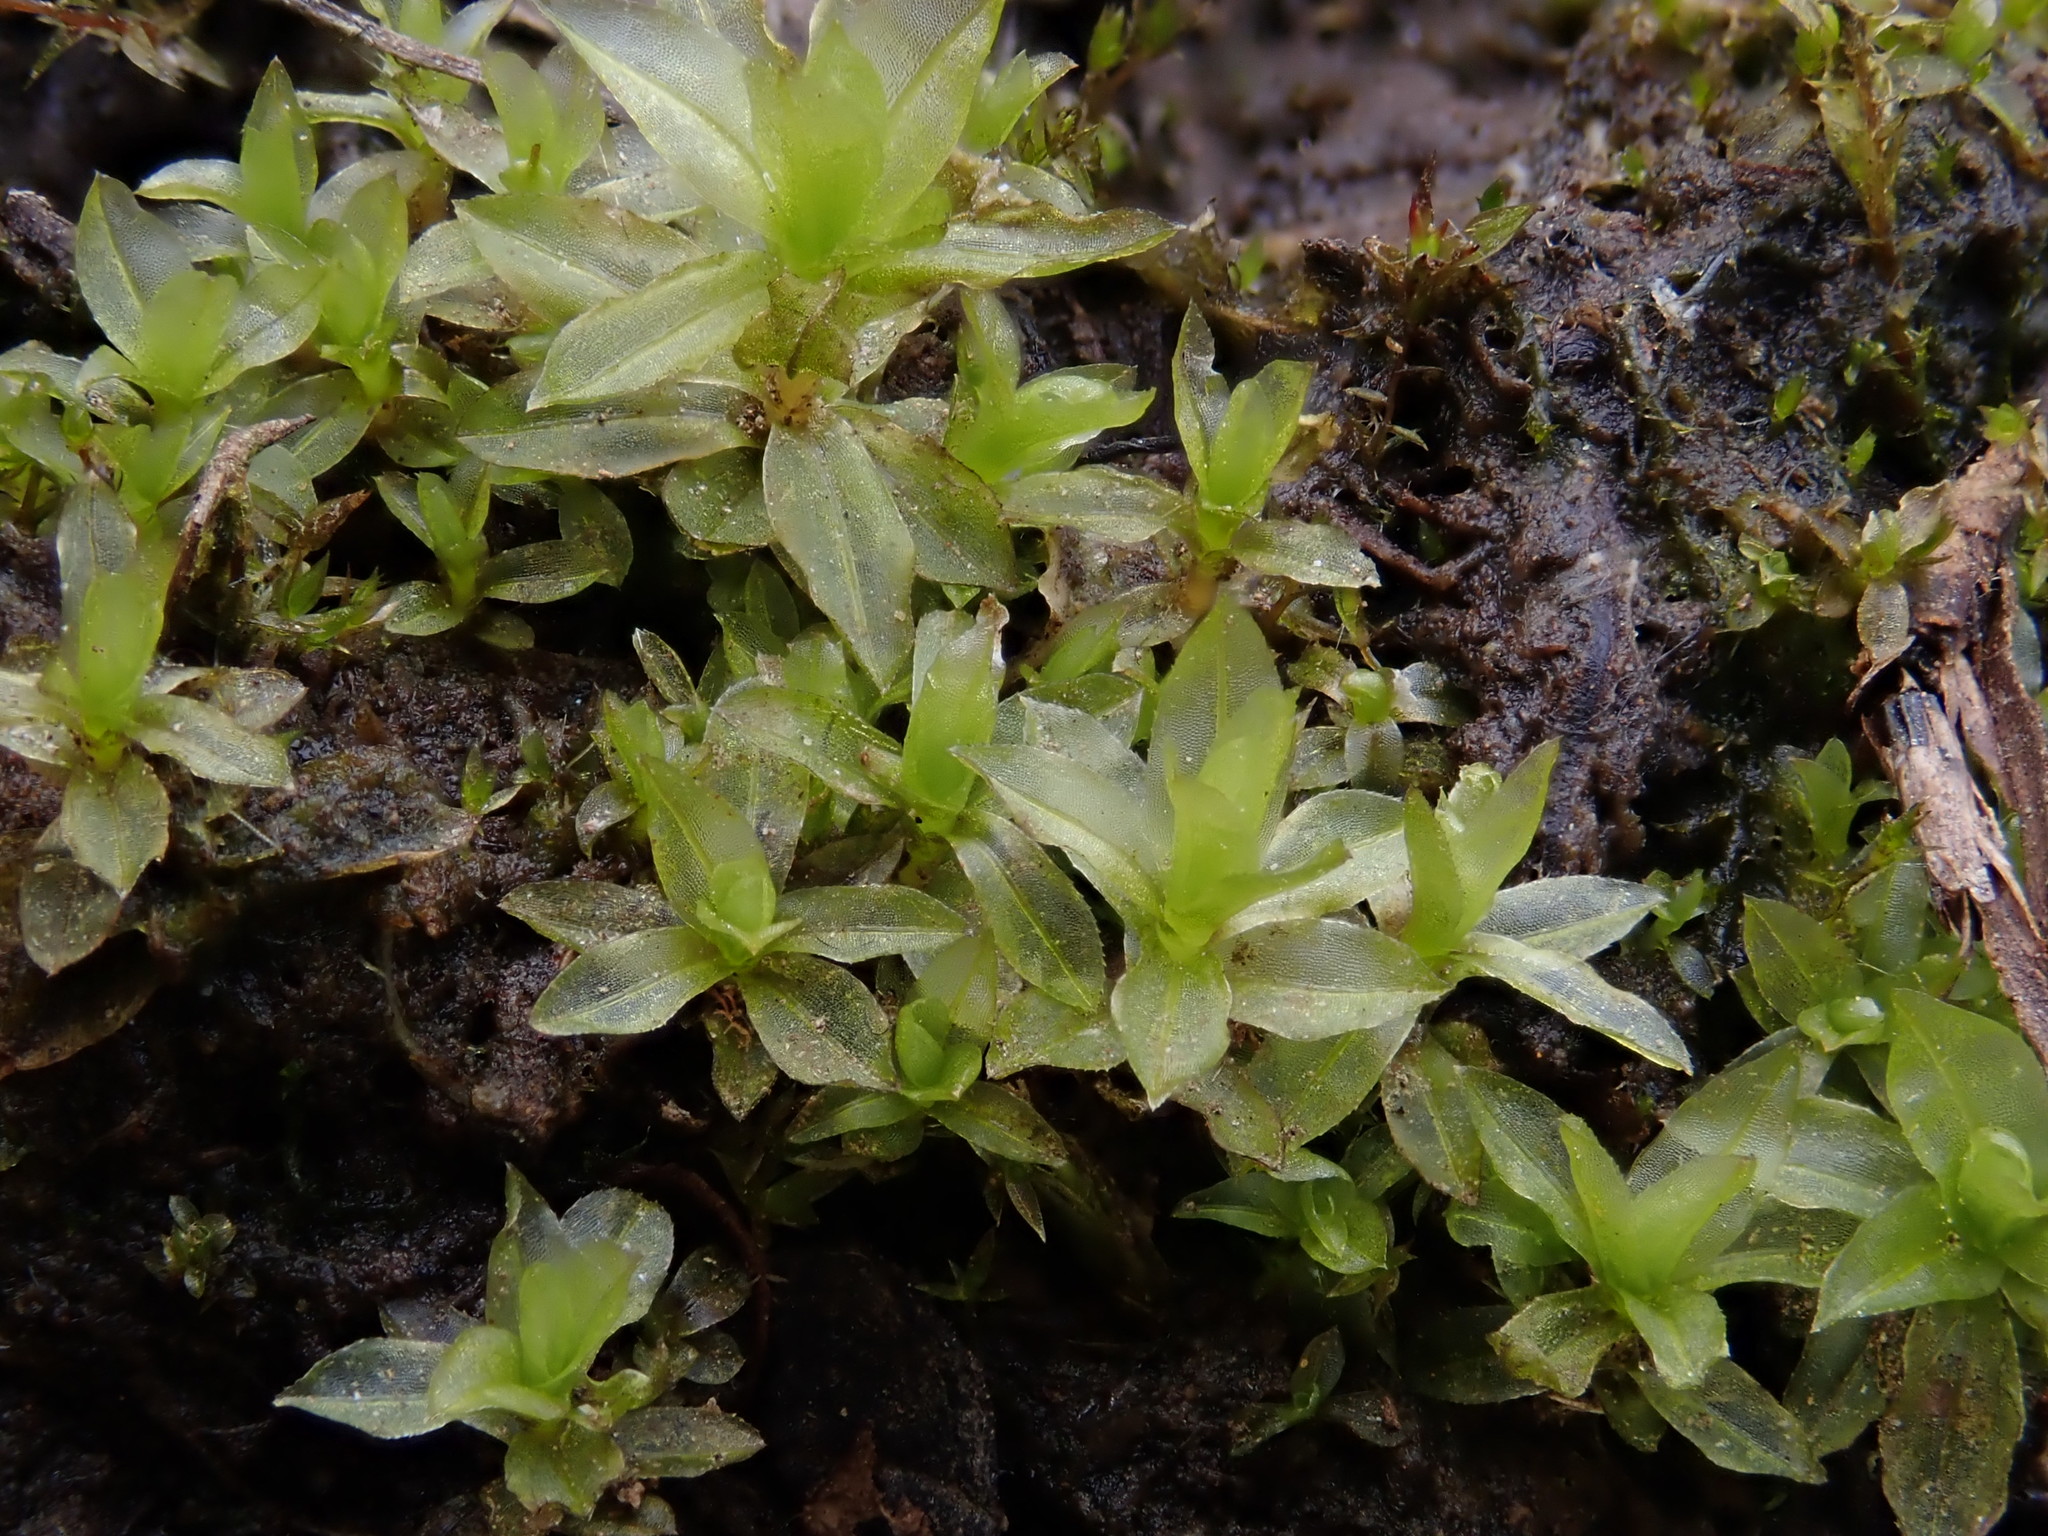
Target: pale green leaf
[[685, 87], [211, 743], [1907, 1255], [1002, 1123], [66, 912], [1559, 1339], [1036, 240], [564, 255], [587, 913], [1037, 918], [376, 1385], [684, 1442], [954, 520], [1577, 915], [1522, 1133], [629, 985], [1949, 1437], [116, 824], [607, 439], [1735, 1423], [1173, 1019], [124, 255], [1311, 980], [1037, 1030], [819, 1023], [1106, 503], [1314, 554], [848, 755], [852, 923], [1580, 993], [832, 512], [672, 326], [1952, 1073]]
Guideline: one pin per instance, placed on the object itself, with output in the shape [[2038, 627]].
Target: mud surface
[[329, 1043]]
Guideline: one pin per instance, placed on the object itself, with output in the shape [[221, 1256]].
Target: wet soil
[[328, 1042]]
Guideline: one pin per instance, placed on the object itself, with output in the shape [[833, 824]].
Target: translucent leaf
[[1037, 918], [210, 743], [1240, 1119], [566, 1463], [1577, 991], [1735, 1423], [717, 500], [1037, 1030], [604, 440], [210, 181], [629, 985], [116, 824], [1313, 1084], [125, 254], [256, 698], [1949, 1437], [1224, 663], [618, 1219], [832, 511], [674, 325], [954, 520], [1101, 822], [1314, 554], [684, 1442], [1685, 1330], [1252, 1202], [1745, 1110], [1907, 1255], [1797, 961], [1834, 1392], [1520, 1235], [419, 608], [1308, 981], [1375, 866], [684, 86], [848, 755], [819, 1023], [1577, 915], [1006, 95], [1844, 1157], [273, 317], [564, 255], [707, 1289], [587, 913], [1784, 1245], [1952, 1073], [1521, 1130], [1558, 1340], [1106, 503], [1173, 1018], [66, 912], [1430, 1120], [1491, 821], [929, 54], [543, 572], [1001, 1123], [376, 1385], [852, 923], [1036, 240]]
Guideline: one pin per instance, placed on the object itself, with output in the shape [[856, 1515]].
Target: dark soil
[[328, 1042]]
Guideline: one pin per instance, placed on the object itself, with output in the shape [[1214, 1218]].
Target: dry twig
[[407, 50], [1964, 607], [230, 463]]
